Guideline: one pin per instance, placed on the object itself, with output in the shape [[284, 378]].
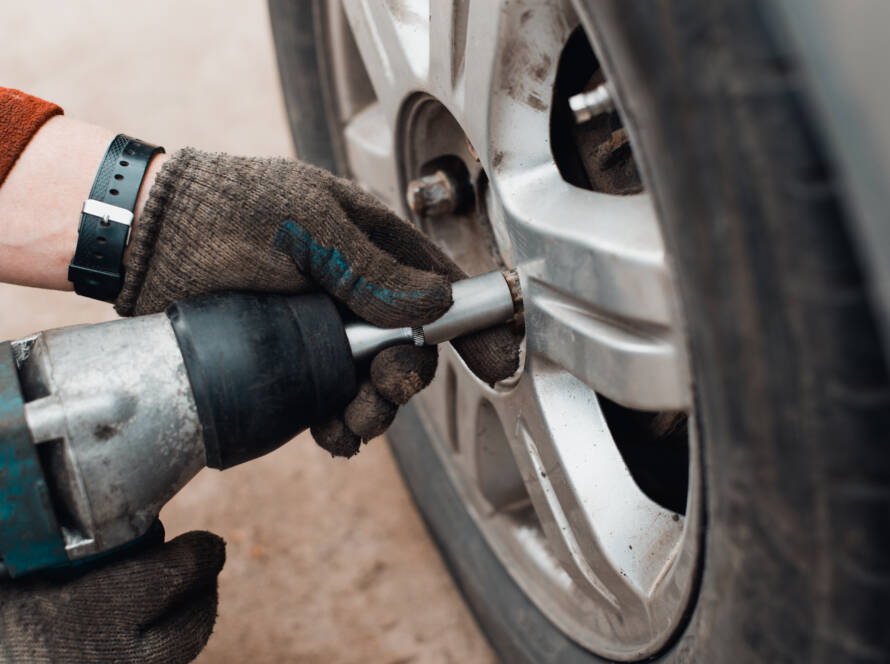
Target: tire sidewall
[[761, 253]]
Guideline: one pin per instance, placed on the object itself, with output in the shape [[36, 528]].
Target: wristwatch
[[107, 217]]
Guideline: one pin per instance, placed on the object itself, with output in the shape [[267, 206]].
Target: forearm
[[41, 198]]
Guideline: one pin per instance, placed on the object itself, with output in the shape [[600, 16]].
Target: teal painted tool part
[[29, 533]]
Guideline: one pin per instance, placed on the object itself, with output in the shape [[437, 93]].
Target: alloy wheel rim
[[534, 457]]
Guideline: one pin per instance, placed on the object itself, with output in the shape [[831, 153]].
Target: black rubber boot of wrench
[[262, 368]]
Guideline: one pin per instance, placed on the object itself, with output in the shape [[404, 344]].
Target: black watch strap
[[107, 216]]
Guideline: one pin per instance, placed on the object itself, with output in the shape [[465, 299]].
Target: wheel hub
[[447, 185]]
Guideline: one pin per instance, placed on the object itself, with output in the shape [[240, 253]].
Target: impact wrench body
[[101, 425]]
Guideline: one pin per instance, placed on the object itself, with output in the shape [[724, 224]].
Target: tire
[[303, 77], [791, 383]]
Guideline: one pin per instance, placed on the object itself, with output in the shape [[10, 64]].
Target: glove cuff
[[145, 236]]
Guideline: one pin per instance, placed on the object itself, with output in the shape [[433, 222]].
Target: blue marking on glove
[[329, 268]]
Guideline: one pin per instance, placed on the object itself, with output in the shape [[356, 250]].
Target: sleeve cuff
[[21, 116]]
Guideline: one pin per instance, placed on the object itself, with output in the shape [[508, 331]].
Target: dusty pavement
[[360, 582]]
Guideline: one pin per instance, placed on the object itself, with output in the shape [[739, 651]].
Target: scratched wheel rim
[[552, 464]]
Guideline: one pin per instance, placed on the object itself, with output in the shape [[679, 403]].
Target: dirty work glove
[[215, 222], [157, 605]]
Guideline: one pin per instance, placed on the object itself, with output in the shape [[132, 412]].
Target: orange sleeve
[[21, 115]]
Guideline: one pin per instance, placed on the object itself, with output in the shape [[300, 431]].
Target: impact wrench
[[100, 425]]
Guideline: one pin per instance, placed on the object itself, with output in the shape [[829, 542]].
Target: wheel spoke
[[393, 46], [598, 292], [448, 38], [565, 460], [637, 370], [410, 21], [605, 249], [609, 533], [466, 416], [369, 148], [599, 298], [472, 94], [483, 444], [519, 83]]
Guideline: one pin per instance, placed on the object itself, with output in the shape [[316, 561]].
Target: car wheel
[[689, 465]]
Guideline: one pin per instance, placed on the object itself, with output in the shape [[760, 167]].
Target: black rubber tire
[[302, 67], [792, 386]]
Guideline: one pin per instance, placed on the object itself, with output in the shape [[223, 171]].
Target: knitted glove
[[156, 605], [214, 222]]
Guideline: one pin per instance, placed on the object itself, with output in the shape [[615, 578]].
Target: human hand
[[214, 222], [156, 605]]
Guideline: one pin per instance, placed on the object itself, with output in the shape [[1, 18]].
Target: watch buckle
[[109, 213]]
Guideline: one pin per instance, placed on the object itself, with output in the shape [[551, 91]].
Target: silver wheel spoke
[[482, 444], [369, 148], [599, 299], [448, 37], [605, 249], [616, 537], [614, 542], [393, 46], [471, 97], [590, 506], [636, 369], [598, 292]]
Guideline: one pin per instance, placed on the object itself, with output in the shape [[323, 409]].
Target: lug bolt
[[432, 195], [588, 105]]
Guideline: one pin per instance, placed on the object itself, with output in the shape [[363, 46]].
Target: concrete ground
[[363, 584]]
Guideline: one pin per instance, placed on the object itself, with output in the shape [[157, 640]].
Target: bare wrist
[[40, 202], [41, 199]]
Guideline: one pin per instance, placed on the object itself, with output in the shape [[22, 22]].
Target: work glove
[[156, 605], [214, 222]]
